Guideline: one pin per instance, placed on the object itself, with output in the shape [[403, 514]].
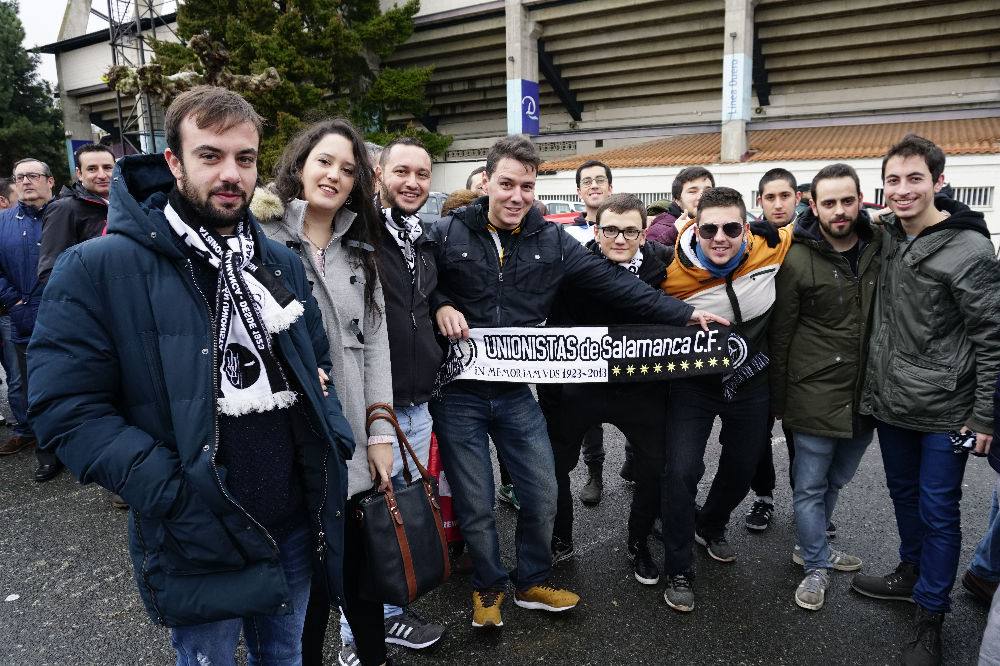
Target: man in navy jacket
[[175, 362]]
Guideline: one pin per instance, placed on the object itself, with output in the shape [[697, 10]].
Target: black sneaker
[[758, 518], [348, 656], [895, 586], [412, 631], [924, 649], [643, 566], [679, 594], [561, 550], [718, 548]]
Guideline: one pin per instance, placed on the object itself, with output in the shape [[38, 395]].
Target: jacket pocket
[[195, 541], [810, 370], [535, 268], [924, 370], [465, 266]]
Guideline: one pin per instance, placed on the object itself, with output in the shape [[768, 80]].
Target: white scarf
[[633, 264], [251, 306], [406, 230]]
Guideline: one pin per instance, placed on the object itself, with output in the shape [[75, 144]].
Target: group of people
[[212, 357]]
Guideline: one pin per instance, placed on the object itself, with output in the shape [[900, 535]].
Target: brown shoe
[[981, 588], [15, 444]]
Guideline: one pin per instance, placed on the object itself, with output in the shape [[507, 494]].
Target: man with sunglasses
[[20, 235], [722, 267], [637, 409]]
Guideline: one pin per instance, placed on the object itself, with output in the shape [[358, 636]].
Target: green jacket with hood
[[935, 343], [819, 331]]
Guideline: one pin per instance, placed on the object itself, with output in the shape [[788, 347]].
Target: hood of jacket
[[959, 217], [78, 191], [267, 207]]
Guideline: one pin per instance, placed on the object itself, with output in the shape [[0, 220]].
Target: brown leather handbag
[[406, 551]]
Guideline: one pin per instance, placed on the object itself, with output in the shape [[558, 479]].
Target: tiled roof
[[838, 142]]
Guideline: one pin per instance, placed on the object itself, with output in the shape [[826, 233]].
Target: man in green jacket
[[818, 337], [935, 355]]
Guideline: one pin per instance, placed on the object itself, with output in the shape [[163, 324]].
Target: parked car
[[431, 210], [564, 207]]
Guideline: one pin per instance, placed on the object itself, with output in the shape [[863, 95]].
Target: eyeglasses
[[587, 182], [731, 229], [612, 232], [33, 177]]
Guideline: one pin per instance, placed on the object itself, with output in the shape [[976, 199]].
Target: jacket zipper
[[215, 415]]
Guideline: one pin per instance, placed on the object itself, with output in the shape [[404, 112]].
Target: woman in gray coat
[[325, 183]]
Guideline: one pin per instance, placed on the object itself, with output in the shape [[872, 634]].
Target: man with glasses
[[593, 186], [721, 267], [637, 409], [20, 235]]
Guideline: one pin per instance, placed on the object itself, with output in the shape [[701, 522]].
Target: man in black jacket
[[637, 409], [81, 212], [500, 264]]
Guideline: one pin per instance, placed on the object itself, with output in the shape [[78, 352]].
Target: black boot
[[897, 586], [626, 471], [924, 649], [591, 493]]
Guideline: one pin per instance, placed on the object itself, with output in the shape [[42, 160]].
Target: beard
[[845, 232], [405, 211], [208, 214]]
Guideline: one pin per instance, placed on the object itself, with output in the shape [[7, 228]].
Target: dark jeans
[[43, 457], [764, 480], [550, 399], [364, 616], [925, 482], [692, 409], [639, 411], [464, 421]]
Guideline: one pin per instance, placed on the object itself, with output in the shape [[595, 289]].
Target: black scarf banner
[[601, 354]]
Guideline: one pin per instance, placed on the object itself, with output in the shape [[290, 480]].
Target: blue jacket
[[20, 239], [123, 390]]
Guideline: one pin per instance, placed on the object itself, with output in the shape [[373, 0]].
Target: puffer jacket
[[77, 215], [662, 229], [934, 354], [819, 331], [124, 391], [358, 336], [521, 292], [20, 293]]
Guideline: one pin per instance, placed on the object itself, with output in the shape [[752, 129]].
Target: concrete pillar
[[75, 18], [522, 70], [737, 73]]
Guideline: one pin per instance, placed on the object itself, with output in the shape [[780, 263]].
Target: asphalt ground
[[63, 555]]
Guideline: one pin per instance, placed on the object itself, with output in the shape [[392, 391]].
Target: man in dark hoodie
[[81, 212], [818, 338], [934, 359], [637, 409], [686, 190]]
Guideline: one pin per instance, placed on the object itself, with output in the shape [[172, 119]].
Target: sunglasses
[[731, 229]]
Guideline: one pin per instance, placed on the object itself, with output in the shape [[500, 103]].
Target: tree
[[31, 124], [327, 56]]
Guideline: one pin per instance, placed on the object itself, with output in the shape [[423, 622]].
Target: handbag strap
[[404, 544], [381, 411]]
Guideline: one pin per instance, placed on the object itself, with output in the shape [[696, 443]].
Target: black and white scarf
[[406, 230], [251, 305], [633, 264]]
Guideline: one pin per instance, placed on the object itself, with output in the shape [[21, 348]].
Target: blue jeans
[[416, 423], [270, 639], [925, 482], [821, 467], [464, 420], [986, 561], [15, 387]]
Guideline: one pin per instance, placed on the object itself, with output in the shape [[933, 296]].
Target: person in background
[[8, 197], [476, 182], [989, 651], [20, 235], [686, 190]]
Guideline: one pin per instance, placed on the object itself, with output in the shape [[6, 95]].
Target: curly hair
[[366, 227]]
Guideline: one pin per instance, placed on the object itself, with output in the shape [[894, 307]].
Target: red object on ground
[[444, 493]]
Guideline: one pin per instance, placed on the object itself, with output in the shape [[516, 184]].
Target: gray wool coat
[[362, 373]]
